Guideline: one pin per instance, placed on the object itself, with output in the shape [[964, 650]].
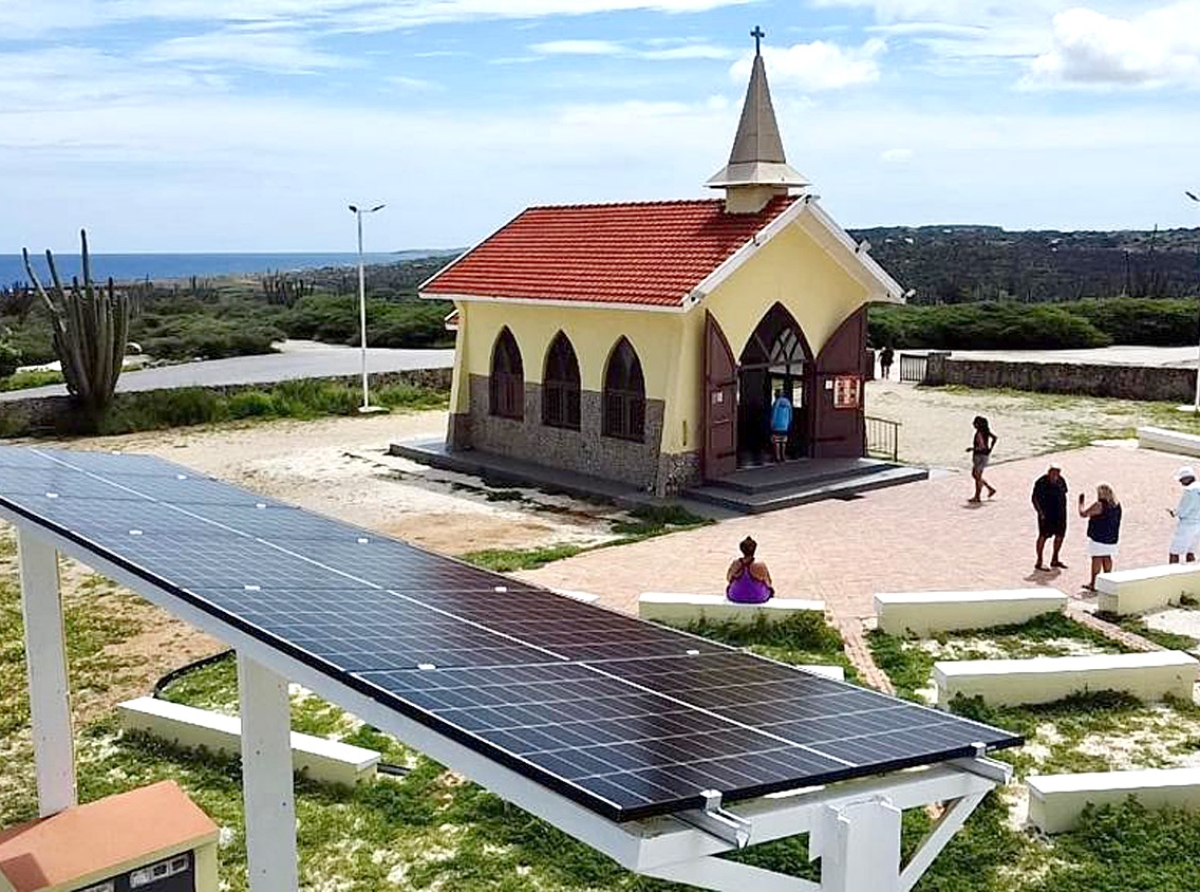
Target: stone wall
[[1120, 381], [57, 415], [584, 451]]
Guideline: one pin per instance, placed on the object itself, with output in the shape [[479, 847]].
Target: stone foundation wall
[[584, 451], [1121, 382]]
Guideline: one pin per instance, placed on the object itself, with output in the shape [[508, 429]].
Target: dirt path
[[937, 421]]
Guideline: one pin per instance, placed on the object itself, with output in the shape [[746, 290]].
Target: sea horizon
[[163, 266]]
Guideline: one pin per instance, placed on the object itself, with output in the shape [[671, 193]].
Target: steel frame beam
[[49, 684]]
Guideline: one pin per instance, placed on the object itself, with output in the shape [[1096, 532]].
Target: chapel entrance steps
[[771, 487]]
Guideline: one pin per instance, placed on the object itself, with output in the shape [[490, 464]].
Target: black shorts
[[1050, 526]]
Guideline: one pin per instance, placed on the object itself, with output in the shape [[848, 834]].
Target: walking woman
[[1104, 529], [981, 454]]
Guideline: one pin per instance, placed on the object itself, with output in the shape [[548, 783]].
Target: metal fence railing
[[883, 438], [912, 367]]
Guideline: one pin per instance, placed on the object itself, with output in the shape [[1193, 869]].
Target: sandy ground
[[936, 423], [340, 467]]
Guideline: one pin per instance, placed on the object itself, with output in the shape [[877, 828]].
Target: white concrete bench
[[327, 761], [683, 610], [1057, 800], [1136, 591], [922, 613], [585, 597], [1164, 440], [1147, 676], [837, 673]]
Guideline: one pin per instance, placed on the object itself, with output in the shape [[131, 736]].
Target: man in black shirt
[[1050, 502]]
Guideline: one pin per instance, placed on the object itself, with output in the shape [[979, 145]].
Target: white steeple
[[757, 169]]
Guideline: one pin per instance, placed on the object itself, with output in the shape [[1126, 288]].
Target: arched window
[[560, 385], [508, 378], [624, 394]]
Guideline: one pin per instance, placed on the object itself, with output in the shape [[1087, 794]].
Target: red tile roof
[[646, 254]]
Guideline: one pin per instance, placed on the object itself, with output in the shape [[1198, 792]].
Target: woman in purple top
[[749, 580]]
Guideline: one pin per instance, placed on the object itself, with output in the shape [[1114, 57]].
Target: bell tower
[[757, 170]]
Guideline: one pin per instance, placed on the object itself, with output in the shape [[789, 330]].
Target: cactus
[[91, 326]]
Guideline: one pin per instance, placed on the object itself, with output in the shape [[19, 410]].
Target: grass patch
[[190, 406], [646, 522], [510, 560], [803, 638], [25, 380], [1137, 625], [909, 665]]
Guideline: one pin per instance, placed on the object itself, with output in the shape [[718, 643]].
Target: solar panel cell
[[627, 718]]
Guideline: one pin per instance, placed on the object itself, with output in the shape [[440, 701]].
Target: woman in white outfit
[[1104, 529], [1187, 517]]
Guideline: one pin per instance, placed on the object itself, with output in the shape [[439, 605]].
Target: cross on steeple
[[758, 34]]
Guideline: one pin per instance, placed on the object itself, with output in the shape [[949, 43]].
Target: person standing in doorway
[[1187, 517], [781, 424], [886, 355], [1050, 503], [1104, 530], [981, 453]]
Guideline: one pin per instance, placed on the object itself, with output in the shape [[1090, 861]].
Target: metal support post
[[49, 685], [859, 847], [267, 783]]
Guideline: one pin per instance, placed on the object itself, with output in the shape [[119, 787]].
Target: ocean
[[129, 267]]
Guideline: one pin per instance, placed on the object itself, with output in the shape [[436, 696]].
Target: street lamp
[[366, 407], [1196, 406]]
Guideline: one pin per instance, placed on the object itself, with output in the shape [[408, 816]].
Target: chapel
[[644, 342]]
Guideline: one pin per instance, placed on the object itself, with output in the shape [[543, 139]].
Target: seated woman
[[749, 580]]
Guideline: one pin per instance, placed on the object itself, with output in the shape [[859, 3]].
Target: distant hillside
[[961, 264]]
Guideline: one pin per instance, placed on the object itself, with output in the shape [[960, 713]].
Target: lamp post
[[1196, 406], [366, 407]]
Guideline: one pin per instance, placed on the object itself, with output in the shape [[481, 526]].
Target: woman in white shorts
[[1103, 532]]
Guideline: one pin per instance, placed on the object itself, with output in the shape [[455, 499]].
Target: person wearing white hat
[[1187, 517]]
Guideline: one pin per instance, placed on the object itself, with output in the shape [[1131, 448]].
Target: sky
[[249, 125]]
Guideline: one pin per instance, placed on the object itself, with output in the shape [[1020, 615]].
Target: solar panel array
[[625, 717]]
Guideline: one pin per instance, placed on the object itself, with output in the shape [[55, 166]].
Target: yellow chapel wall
[[593, 333], [792, 269]]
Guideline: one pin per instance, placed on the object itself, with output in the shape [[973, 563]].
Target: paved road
[[312, 362]]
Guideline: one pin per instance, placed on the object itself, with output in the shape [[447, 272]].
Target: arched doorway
[[775, 358]]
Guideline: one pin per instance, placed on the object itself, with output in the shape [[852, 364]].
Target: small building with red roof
[[646, 342]]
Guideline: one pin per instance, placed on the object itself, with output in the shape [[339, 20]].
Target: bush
[[196, 335], [986, 326], [397, 324], [251, 404], [1147, 323], [1014, 326], [10, 359]]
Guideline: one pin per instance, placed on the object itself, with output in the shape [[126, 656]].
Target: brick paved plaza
[[922, 536]]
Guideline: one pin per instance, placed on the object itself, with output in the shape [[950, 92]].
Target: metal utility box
[[150, 840]]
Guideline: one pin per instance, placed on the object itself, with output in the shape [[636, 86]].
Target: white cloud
[[896, 156], [819, 65], [37, 18], [656, 50], [1091, 49], [262, 51], [578, 48]]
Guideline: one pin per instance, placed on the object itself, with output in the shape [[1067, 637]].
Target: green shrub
[[198, 335], [251, 404], [986, 326], [390, 323], [1018, 326], [10, 359]]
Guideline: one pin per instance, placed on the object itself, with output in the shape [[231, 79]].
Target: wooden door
[[720, 403]]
